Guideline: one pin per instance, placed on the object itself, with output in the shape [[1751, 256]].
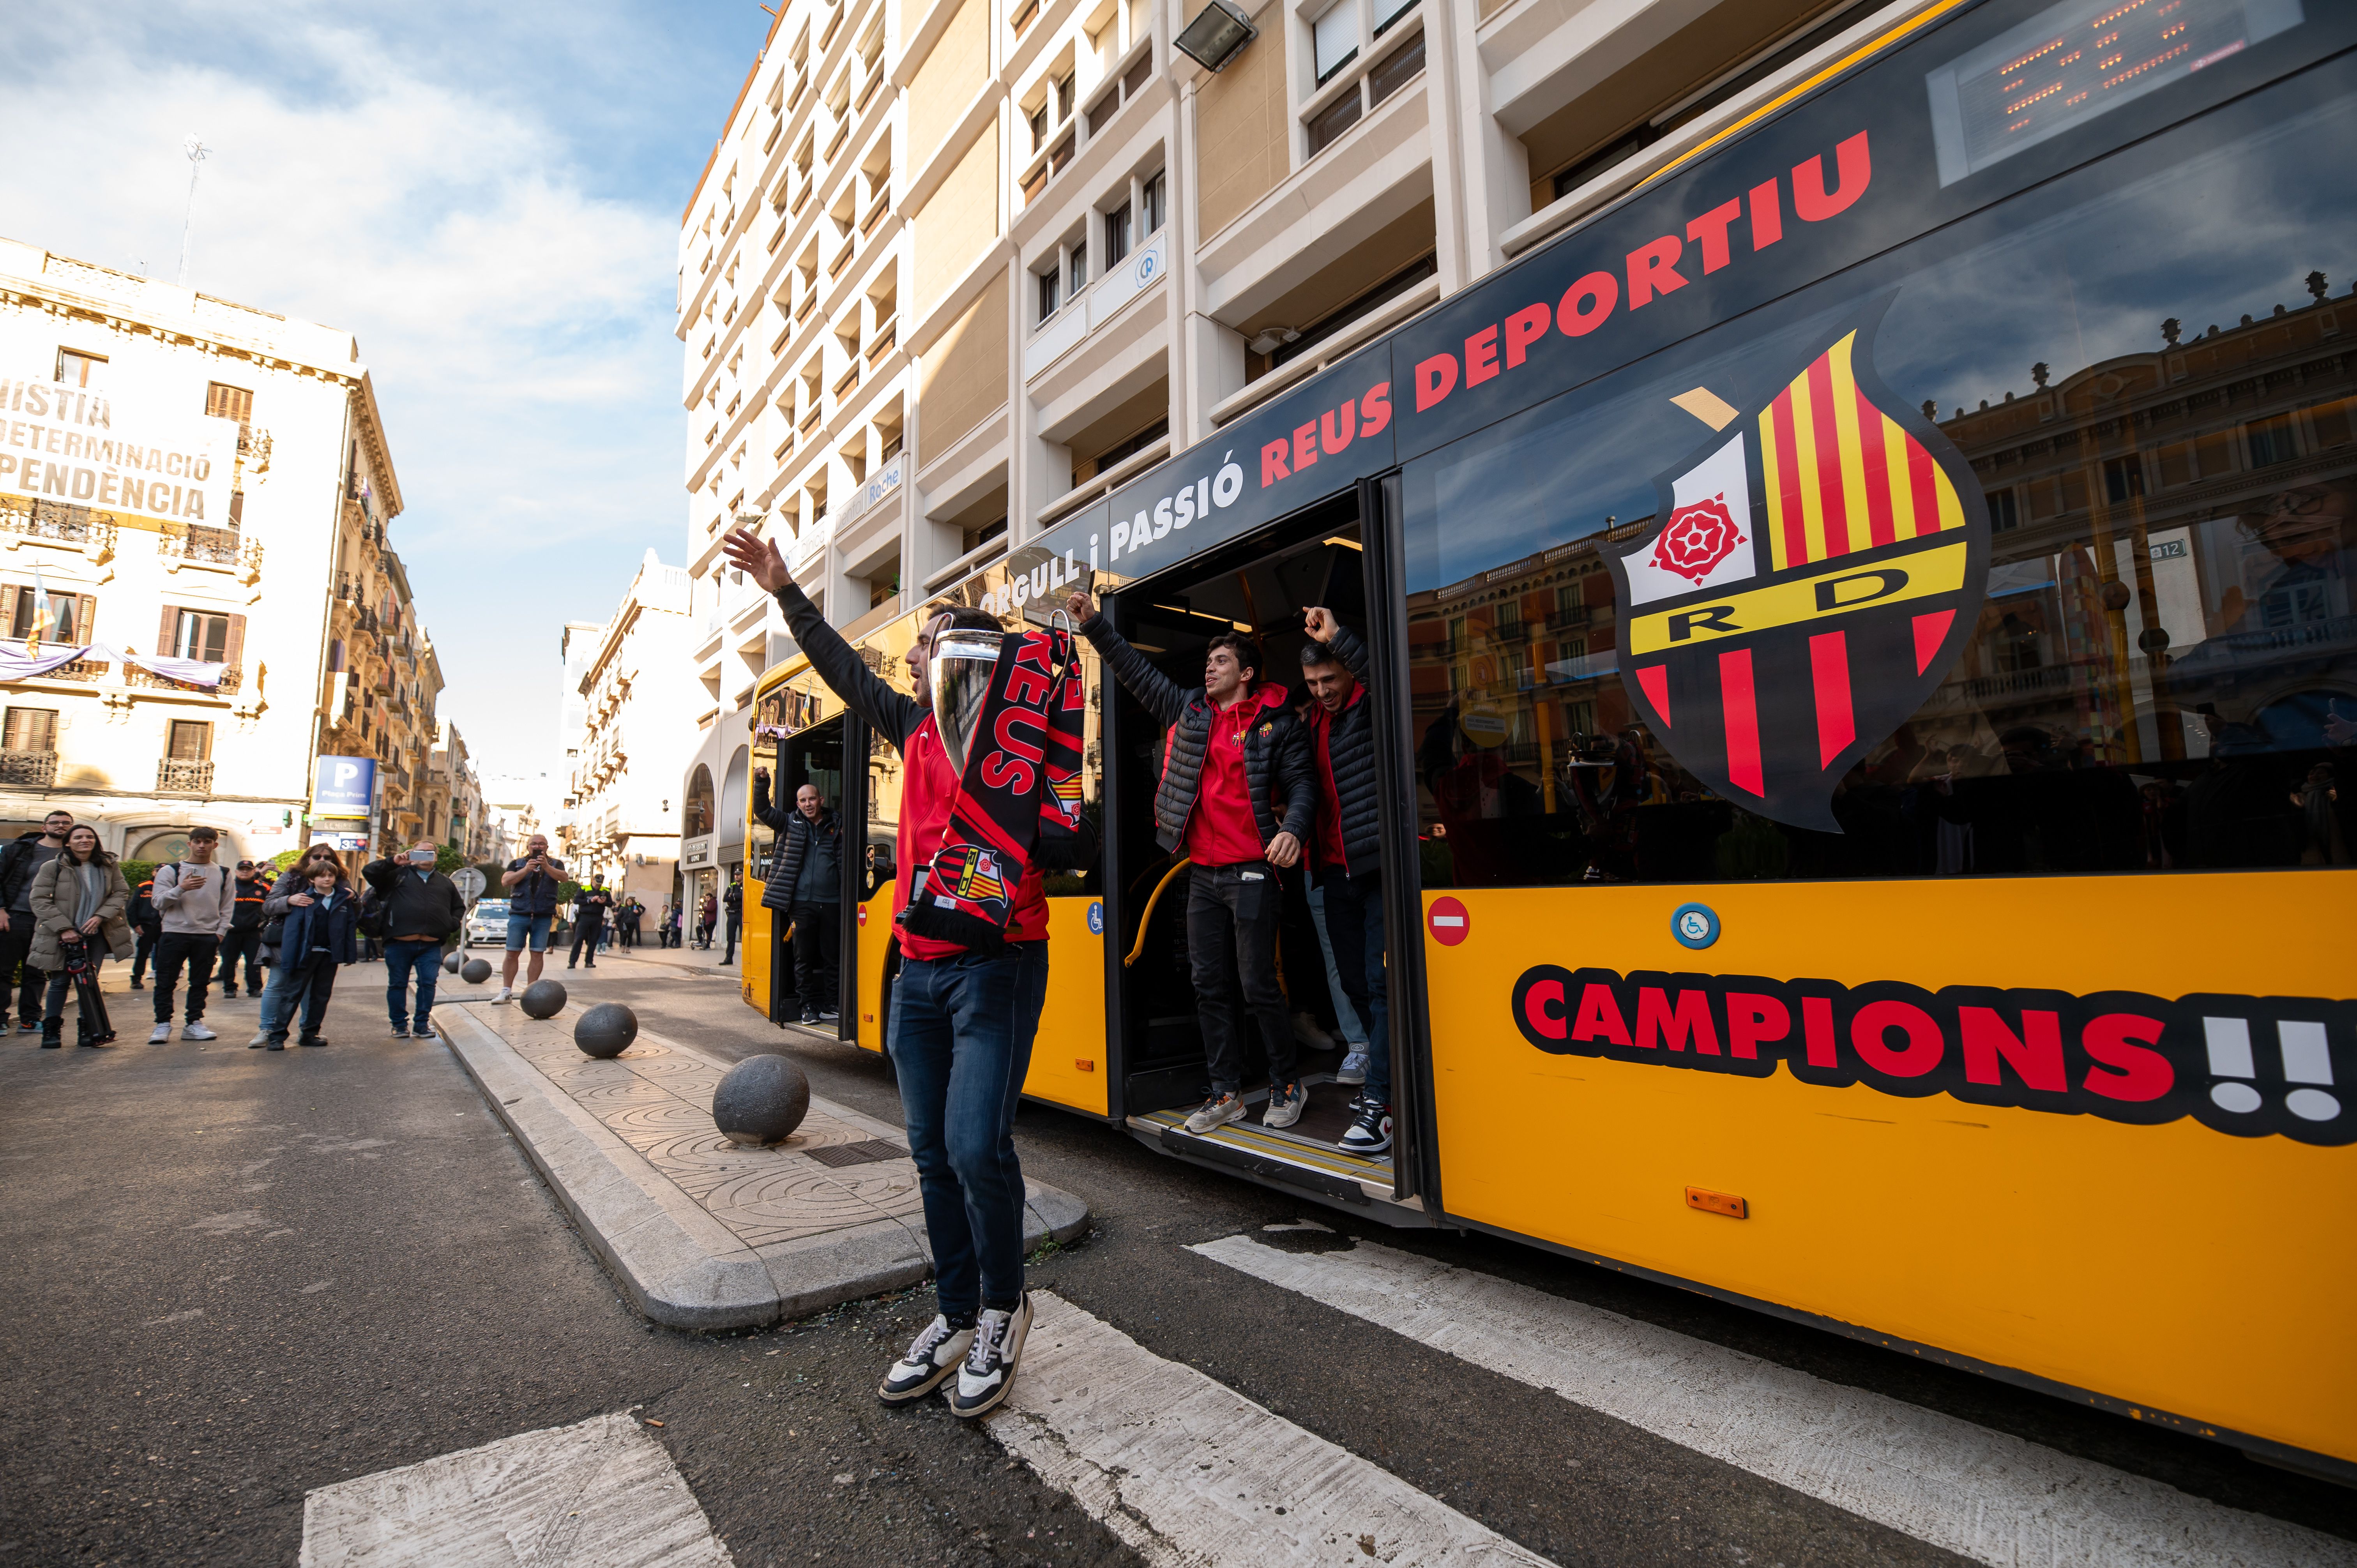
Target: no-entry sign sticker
[[1448, 922]]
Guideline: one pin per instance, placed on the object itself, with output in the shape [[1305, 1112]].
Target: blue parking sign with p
[[346, 787]]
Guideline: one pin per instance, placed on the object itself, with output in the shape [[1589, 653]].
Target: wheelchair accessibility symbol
[[1695, 925], [1096, 918]]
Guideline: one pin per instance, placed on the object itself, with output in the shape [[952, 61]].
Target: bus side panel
[[875, 934], [2171, 1265], [753, 954], [1068, 1058]]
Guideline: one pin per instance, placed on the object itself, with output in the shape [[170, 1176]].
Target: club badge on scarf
[[1018, 803]]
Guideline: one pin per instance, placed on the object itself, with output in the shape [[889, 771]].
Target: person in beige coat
[[78, 897]]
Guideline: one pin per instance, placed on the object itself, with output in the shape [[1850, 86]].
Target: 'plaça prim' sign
[[132, 457]]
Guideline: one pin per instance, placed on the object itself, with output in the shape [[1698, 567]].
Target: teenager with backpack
[[196, 901]]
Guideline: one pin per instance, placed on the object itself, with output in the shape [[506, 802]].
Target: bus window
[[2138, 361]]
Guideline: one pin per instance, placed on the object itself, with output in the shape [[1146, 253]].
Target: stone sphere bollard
[[762, 1100], [451, 961], [543, 999], [606, 1030], [475, 970]]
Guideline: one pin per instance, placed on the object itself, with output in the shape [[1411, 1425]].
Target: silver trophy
[[959, 672]]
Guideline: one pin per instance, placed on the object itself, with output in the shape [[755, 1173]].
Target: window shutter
[[86, 628], [236, 641], [164, 630]]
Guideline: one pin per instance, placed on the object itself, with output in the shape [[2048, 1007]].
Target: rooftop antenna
[[197, 152]]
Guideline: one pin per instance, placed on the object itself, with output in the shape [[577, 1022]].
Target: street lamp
[[1218, 31]]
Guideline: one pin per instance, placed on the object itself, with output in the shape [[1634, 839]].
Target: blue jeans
[[295, 988], [1346, 1018], [1354, 919], [401, 961], [960, 1039]]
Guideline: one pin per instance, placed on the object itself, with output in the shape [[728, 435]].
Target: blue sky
[[487, 197]]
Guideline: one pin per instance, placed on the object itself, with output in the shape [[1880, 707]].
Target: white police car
[[487, 922]]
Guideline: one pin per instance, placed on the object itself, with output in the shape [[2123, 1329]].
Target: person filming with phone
[[533, 882]]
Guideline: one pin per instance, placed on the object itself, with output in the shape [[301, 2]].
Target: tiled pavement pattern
[[659, 1100]]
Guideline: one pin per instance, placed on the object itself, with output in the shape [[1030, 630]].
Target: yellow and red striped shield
[[1771, 665]]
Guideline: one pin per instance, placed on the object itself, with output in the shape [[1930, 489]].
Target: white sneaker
[[1216, 1112], [196, 1031], [163, 1033], [1286, 1102], [507, 994], [1354, 1068], [931, 1359], [989, 1368]]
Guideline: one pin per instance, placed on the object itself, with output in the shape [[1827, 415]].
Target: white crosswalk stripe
[[1979, 1493], [598, 1494], [1191, 1474]]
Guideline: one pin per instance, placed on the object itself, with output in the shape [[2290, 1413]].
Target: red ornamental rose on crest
[[1698, 539]]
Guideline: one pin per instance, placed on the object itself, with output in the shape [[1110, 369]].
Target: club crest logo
[[1820, 570], [971, 873]]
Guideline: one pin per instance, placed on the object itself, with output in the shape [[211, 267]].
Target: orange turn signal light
[[1711, 1202], [1084, 1065]]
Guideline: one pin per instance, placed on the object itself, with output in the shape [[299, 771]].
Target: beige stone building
[[638, 706], [211, 485], [958, 268]]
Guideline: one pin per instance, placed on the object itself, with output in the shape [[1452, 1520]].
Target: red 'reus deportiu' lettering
[[1854, 170], [1654, 269], [1332, 430], [1435, 378]]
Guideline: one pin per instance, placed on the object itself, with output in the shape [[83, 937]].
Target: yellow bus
[[1862, 635]]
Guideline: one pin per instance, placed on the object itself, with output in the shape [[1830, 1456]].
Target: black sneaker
[[401, 1031], [989, 1368], [809, 1015], [932, 1358], [1371, 1131]]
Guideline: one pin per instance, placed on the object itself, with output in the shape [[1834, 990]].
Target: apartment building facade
[[214, 492], [957, 270], [638, 692]]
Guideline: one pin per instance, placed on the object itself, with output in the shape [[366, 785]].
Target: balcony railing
[[31, 769], [88, 671], [58, 521], [136, 675], [212, 546], [175, 778]]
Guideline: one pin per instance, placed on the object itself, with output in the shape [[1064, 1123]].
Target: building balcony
[[29, 769], [211, 547], [178, 777], [56, 523], [134, 675]]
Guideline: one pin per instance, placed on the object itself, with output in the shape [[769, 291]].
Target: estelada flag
[[1819, 568]]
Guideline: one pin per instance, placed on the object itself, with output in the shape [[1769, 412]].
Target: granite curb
[[676, 1263]]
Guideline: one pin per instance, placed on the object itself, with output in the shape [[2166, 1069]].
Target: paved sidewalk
[[701, 1232]]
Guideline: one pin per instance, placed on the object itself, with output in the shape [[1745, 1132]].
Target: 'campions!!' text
[[2244, 1065]]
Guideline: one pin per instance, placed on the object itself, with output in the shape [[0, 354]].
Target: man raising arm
[[1235, 759], [960, 1035]]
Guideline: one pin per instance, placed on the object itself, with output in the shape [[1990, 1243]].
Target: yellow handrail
[[1146, 921]]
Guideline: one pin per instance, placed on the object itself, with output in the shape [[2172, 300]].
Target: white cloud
[[517, 320]]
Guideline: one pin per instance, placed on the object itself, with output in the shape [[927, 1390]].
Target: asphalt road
[[239, 1275]]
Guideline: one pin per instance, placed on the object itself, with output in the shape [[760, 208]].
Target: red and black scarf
[[1018, 801]]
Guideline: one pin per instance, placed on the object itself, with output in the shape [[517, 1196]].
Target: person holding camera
[[418, 908], [533, 882]]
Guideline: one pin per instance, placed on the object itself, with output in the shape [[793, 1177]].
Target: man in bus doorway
[[1345, 851], [961, 1030], [1236, 757]]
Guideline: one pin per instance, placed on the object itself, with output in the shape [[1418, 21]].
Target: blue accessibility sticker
[[1695, 925], [1096, 917]]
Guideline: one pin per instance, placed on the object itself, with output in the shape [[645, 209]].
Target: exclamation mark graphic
[[2306, 1058], [2230, 1056]]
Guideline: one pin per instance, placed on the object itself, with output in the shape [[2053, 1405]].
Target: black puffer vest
[[1276, 750]]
